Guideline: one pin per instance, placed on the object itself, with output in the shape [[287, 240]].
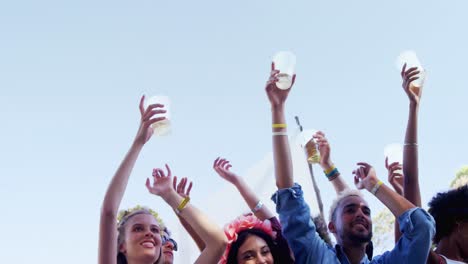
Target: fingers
[[272, 66], [158, 173], [189, 189], [169, 174], [174, 183], [386, 163], [153, 110], [293, 80], [181, 185], [148, 184], [215, 163], [403, 70], [142, 109]]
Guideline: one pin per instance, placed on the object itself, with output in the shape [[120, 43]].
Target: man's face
[[353, 223], [168, 249]]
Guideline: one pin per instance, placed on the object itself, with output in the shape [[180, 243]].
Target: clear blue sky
[[72, 73]]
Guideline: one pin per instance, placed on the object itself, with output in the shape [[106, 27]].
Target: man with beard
[[350, 220]]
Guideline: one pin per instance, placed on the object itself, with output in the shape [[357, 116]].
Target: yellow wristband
[[327, 171], [182, 205], [279, 126], [376, 187]]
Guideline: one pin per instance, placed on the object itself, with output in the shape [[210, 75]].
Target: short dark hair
[[243, 235], [448, 209]]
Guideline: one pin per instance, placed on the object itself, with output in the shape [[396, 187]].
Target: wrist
[[171, 197], [375, 186], [277, 108], [414, 105], [326, 165]]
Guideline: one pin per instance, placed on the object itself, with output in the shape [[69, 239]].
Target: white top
[[449, 261]]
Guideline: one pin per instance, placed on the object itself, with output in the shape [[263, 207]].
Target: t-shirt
[[449, 261]]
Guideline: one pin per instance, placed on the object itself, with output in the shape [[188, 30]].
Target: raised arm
[[410, 150], [222, 166], [182, 191], [366, 178], [331, 172], [115, 191], [209, 232], [396, 180], [281, 152]]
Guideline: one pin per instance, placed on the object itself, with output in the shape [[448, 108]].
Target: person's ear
[[332, 227]]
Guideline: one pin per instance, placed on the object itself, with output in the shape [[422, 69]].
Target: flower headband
[[121, 217], [241, 223]]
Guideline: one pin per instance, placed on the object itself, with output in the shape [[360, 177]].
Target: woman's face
[[142, 239], [254, 250]]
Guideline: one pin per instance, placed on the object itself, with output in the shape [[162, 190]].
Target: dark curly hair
[[448, 209]]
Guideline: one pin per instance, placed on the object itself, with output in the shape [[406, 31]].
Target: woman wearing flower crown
[[252, 238], [136, 238]]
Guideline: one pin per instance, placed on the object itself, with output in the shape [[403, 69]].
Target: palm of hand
[[161, 185]]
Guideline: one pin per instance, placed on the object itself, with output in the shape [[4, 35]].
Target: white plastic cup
[[285, 62], [409, 57], [161, 128], [394, 153]]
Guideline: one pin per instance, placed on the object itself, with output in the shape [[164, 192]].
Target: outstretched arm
[[396, 180], [366, 178], [222, 166], [115, 190], [334, 176], [281, 152], [411, 189], [180, 188], [209, 232]]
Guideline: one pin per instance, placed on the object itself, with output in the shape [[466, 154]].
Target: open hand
[[180, 188], [222, 166], [162, 183]]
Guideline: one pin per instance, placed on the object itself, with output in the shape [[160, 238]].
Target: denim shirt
[[416, 225]]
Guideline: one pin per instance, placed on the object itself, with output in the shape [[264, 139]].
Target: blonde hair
[[343, 194], [123, 218]]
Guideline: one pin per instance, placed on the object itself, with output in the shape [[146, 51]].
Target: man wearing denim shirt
[[350, 222]]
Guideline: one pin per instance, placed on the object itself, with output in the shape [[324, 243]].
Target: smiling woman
[[139, 238], [136, 237]]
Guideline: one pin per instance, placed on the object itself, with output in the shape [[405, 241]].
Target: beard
[[360, 238]]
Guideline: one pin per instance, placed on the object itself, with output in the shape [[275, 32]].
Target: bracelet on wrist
[[376, 187]]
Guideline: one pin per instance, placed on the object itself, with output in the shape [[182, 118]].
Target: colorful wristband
[[376, 187], [327, 171], [332, 173]]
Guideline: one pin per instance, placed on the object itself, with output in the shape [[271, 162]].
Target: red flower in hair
[[241, 223]]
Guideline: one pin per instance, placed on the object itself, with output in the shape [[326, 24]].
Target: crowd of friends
[[437, 236]]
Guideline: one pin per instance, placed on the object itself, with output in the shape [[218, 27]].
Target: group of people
[[139, 236]]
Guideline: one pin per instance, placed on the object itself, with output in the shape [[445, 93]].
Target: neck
[[450, 248], [355, 252]]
